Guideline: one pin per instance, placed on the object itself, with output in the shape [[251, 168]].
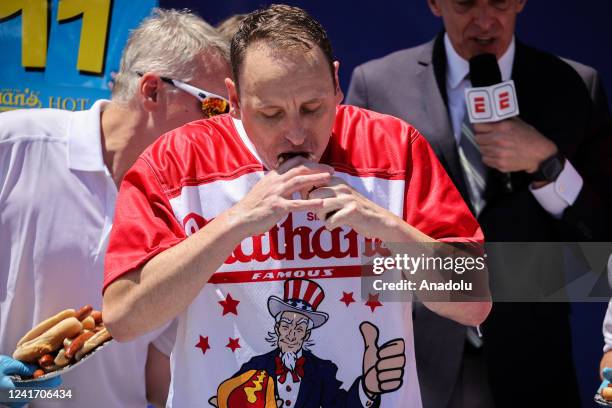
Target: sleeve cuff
[[557, 196], [365, 401]]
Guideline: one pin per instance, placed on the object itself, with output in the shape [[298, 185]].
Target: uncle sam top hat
[[301, 296]]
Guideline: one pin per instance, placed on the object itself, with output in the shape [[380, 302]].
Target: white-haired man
[[58, 186]]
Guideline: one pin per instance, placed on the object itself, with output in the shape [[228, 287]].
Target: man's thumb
[[370, 336]]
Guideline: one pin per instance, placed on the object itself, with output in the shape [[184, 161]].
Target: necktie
[[475, 173], [297, 373], [474, 169]]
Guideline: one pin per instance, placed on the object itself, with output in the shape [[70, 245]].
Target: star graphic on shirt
[[233, 344], [373, 302], [203, 344], [229, 305], [347, 298]]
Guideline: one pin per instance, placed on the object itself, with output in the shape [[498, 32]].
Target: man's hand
[[9, 366], [383, 366], [270, 199], [512, 145], [343, 206]]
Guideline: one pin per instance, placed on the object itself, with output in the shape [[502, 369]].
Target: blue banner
[[63, 53]]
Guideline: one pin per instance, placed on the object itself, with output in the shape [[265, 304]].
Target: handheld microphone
[[484, 70], [490, 99]]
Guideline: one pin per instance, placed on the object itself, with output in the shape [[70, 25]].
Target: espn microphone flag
[[491, 99]]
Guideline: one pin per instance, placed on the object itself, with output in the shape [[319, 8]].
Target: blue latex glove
[[9, 366], [607, 375]]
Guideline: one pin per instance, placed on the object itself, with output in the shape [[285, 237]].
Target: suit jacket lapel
[[307, 382], [431, 77]]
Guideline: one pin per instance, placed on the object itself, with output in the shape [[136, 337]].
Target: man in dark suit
[[557, 153]]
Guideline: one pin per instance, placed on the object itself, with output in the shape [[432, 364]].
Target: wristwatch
[[550, 168]]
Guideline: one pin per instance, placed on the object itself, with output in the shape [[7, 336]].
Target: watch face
[[552, 168]]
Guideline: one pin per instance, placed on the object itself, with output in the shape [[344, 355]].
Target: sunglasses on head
[[211, 104]]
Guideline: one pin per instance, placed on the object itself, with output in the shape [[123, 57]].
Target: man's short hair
[[168, 43], [228, 27], [283, 27]]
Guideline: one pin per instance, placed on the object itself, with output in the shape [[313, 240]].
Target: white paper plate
[[18, 380]]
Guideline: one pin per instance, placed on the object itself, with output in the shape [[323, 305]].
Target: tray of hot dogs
[[61, 342]]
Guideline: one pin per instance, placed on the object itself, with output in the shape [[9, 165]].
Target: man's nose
[[484, 16], [294, 131], [296, 136]]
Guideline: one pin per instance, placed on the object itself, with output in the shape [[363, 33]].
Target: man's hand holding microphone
[[506, 142]]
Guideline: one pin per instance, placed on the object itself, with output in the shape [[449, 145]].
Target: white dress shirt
[[555, 197], [57, 201], [289, 390]]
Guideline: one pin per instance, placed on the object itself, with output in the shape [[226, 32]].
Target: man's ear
[[520, 5], [149, 89], [307, 336], [337, 91], [434, 6], [232, 92], [276, 325]]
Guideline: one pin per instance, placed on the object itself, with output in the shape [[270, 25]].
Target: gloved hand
[[9, 366], [607, 377]]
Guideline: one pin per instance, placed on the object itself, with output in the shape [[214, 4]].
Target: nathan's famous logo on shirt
[[311, 243]]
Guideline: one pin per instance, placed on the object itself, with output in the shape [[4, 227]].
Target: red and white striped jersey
[[194, 173]]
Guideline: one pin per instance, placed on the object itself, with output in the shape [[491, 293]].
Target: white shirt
[[289, 390], [554, 197], [57, 204]]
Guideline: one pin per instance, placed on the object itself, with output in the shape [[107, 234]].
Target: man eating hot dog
[[59, 175], [215, 218]]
